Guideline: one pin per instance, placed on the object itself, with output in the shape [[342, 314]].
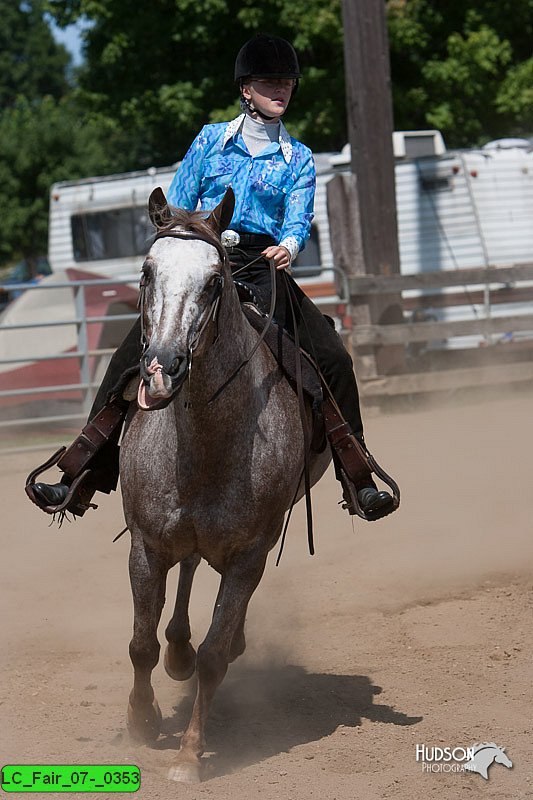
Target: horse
[[201, 478], [484, 755]]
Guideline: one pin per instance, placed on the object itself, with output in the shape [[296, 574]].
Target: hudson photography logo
[[477, 758]]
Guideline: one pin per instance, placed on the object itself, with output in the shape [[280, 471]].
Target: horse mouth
[[158, 388]]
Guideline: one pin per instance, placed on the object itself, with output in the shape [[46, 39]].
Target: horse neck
[[485, 756]]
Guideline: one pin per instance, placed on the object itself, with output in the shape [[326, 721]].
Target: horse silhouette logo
[[486, 754]]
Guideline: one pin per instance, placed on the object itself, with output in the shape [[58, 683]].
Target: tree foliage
[[45, 135], [31, 63], [156, 70], [41, 142], [464, 67], [163, 68]]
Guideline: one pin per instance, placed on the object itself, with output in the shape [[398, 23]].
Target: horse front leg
[[214, 654], [238, 642], [180, 655], [147, 576]]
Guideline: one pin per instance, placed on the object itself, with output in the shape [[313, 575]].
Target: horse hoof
[[179, 669], [144, 725], [184, 773]]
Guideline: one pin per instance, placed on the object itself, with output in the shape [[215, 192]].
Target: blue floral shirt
[[274, 190]]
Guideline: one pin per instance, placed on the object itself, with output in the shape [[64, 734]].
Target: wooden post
[[364, 233]]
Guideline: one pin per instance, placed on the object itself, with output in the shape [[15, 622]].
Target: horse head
[[503, 758], [484, 755], [182, 279]]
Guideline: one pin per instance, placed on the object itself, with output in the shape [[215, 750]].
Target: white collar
[[284, 137], [285, 142]]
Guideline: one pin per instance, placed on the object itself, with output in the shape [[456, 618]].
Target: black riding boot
[[90, 464], [319, 338]]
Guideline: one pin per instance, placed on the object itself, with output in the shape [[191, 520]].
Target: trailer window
[[435, 183], [118, 233], [307, 263]]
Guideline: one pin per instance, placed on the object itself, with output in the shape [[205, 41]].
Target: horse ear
[[220, 218], [158, 209]]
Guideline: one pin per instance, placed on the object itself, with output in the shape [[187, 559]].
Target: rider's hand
[[281, 256]]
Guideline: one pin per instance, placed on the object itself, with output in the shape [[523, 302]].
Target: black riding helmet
[[266, 56]]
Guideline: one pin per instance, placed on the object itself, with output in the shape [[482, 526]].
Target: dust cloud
[[336, 642]]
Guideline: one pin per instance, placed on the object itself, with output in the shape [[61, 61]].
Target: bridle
[[214, 301]]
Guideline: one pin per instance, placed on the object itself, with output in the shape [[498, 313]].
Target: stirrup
[[353, 504], [78, 497], [355, 462]]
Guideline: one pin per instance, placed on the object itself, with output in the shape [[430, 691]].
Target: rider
[[273, 179]]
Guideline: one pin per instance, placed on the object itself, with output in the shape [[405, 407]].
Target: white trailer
[[462, 209], [455, 209]]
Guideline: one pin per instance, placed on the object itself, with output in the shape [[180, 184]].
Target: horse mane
[[484, 745], [189, 221]]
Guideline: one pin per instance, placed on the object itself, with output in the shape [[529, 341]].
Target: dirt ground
[[413, 630]]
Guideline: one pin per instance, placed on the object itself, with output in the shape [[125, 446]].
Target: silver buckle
[[230, 238]]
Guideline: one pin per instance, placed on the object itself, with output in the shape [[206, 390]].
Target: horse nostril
[[174, 367]]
